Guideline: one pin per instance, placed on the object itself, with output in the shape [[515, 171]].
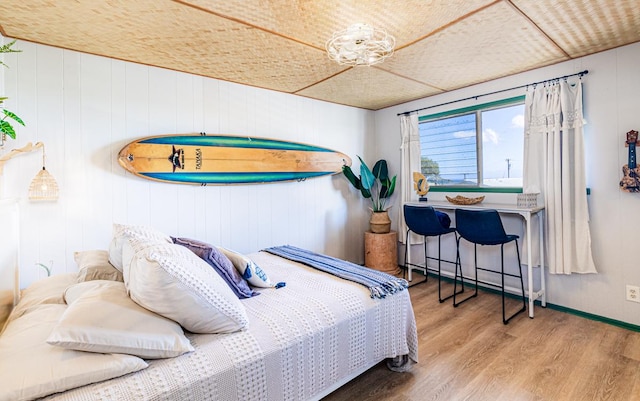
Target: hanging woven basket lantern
[[43, 187]]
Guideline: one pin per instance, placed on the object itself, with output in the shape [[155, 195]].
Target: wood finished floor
[[466, 353]]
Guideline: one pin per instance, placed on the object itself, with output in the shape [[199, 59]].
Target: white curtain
[[554, 166], [410, 162]]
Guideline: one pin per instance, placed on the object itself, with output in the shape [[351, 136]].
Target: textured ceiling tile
[[492, 43], [583, 27], [314, 21], [170, 35], [369, 88], [279, 44]]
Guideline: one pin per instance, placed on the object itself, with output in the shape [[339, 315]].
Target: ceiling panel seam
[[537, 27]]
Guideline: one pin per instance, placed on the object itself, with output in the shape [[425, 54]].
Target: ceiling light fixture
[[360, 44]]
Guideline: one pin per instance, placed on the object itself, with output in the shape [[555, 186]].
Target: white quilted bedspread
[[302, 339]]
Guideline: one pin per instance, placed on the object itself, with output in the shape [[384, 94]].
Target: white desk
[[526, 214]]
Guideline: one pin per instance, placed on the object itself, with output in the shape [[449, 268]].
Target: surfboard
[[202, 159]]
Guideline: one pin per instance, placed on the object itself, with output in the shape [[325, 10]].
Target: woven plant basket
[[380, 223]]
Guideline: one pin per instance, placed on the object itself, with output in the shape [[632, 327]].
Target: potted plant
[[6, 129], [376, 186]]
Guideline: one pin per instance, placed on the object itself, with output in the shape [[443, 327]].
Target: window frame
[[475, 109]]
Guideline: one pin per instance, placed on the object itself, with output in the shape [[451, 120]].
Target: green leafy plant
[[6, 128], [373, 184]]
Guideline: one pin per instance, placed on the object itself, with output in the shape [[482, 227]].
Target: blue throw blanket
[[380, 284]]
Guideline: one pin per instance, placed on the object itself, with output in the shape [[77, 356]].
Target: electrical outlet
[[633, 293]]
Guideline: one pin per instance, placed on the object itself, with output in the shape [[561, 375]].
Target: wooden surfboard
[[202, 159]]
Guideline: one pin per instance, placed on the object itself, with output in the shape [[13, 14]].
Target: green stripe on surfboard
[[232, 141], [232, 178]]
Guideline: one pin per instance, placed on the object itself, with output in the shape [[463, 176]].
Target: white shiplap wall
[[85, 108], [612, 108]]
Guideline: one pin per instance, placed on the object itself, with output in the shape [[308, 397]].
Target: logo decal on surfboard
[[177, 158]]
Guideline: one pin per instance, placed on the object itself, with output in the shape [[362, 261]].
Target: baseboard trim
[[586, 315], [591, 316]]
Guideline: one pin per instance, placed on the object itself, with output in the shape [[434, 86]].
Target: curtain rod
[[581, 73]]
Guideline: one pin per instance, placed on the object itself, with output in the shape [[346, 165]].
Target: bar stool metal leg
[[452, 295], [455, 280], [506, 320], [407, 262]]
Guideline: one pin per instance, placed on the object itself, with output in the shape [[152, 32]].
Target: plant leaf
[[392, 187], [387, 187], [365, 193], [13, 116], [380, 170], [7, 129], [384, 188], [366, 176], [355, 181], [7, 49]]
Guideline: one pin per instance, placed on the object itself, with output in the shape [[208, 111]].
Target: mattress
[[303, 341]]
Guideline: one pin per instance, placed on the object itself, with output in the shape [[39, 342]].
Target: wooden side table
[[381, 251]]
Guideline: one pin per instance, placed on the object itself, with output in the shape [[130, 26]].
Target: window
[[479, 146]]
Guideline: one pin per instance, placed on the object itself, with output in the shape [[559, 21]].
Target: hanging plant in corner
[[6, 128], [376, 186]]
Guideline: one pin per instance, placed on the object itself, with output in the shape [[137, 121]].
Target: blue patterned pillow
[[249, 270], [220, 263]]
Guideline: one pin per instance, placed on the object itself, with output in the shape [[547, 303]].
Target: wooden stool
[[381, 251]]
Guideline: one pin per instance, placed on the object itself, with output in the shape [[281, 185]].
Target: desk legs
[[527, 219], [533, 295], [543, 286]]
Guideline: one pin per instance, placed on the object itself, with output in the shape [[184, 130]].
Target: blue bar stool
[[484, 227], [423, 220]]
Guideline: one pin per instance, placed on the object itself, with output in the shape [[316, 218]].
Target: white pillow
[[102, 318], [248, 269], [31, 368], [48, 290], [122, 233], [174, 282], [94, 265]]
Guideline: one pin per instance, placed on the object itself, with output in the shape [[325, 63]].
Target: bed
[[300, 341]]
